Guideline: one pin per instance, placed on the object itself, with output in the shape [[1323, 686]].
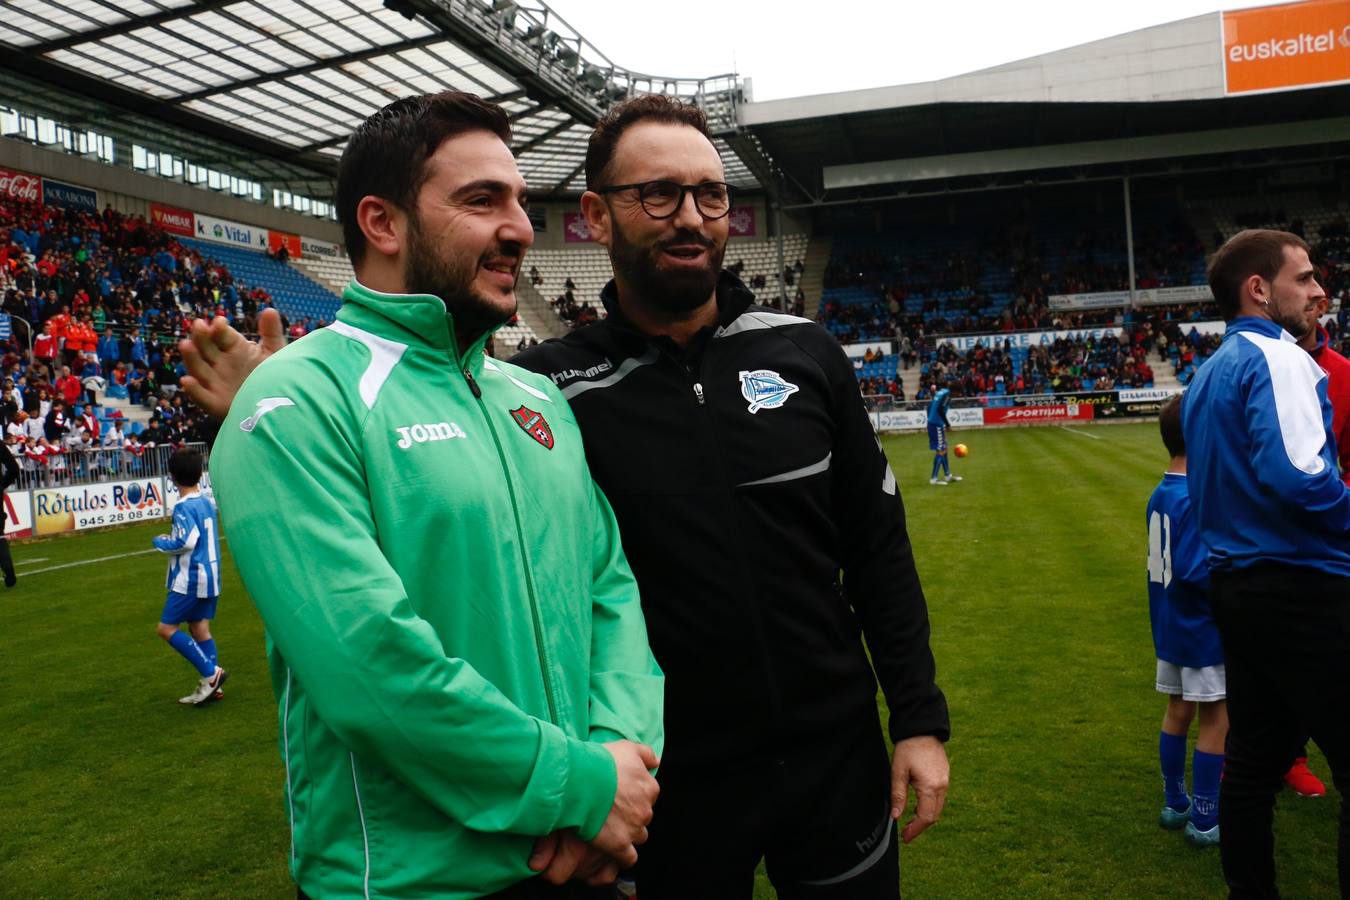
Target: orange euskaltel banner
[[1293, 45]]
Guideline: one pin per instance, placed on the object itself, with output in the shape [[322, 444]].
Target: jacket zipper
[[544, 668]]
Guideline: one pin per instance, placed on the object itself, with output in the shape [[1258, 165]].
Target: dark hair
[[387, 154], [1256, 251], [620, 117], [1169, 424], [185, 467]]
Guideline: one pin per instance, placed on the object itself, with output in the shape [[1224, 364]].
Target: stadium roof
[[282, 83], [1169, 97]]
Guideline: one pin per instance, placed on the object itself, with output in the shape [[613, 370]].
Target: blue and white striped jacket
[[193, 548], [1261, 455]]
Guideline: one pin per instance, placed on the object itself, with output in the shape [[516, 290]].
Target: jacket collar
[[733, 299], [1323, 339], [408, 318], [1259, 326]]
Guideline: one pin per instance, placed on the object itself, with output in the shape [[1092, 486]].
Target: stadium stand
[[583, 272], [908, 287], [295, 295], [92, 390]]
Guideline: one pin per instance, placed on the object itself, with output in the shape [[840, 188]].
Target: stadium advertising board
[[917, 419], [69, 196], [741, 221], [575, 229], [173, 220], [1187, 293], [1026, 339], [171, 497], [1140, 408], [900, 420], [965, 417], [278, 239], [20, 186], [1021, 415], [313, 247], [223, 231], [95, 505], [858, 351], [1144, 395], [1293, 45], [1094, 398], [18, 514]]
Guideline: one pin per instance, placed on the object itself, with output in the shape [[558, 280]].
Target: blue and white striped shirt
[[193, 548]]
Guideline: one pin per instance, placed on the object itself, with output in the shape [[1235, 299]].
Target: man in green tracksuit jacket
[[455, 637]]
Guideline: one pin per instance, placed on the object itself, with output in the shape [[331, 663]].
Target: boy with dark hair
[[194, 577], [1186, 641]]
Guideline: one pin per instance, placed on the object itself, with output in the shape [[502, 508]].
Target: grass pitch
[[1034, 571]]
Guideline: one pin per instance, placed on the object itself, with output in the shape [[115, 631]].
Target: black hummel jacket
[[746, 477]]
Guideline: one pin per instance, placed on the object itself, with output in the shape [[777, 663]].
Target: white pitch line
[[29, 562], [87, 562], [1079, 433]]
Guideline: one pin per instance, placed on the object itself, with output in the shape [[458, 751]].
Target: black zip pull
[[473, 385], [698, 392]]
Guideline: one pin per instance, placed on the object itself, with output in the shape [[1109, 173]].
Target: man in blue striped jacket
[[194, 577], [1272, 509]]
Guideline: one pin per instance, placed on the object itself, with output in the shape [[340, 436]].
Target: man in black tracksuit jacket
[[737, 525], [767, 535]]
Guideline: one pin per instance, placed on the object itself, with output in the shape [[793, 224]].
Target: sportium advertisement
[[1272, 48]]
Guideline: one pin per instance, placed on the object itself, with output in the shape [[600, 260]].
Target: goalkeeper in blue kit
[[1186, 640], [193, 581]]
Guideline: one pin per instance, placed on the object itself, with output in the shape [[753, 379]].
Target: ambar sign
[[1294, 45]]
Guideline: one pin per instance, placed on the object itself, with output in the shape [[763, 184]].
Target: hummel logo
[[433, 431], [265, 406]]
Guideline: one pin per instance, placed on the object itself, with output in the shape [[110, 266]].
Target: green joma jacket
[[452, 627]]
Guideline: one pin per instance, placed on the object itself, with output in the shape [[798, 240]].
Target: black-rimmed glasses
[[662, 199]]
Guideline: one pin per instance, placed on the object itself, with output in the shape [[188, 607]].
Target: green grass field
[[1034, 570]]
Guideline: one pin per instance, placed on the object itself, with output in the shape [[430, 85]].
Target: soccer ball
[[961, 450]]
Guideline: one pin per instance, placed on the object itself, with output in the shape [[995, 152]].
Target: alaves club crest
[[765, 389], [534, 424]]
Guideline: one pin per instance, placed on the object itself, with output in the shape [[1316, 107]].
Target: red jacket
[[70, 388], [1337, 368]]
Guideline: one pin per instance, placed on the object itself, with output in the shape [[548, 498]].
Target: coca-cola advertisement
[[172, 219], [20, 186]]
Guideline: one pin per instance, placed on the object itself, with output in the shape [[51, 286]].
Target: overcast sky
[[822, 46]]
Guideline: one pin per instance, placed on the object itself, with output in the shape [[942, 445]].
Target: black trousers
[[817, 813], [1286, 640]]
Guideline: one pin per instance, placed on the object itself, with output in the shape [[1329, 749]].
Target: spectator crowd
[[107, 296]]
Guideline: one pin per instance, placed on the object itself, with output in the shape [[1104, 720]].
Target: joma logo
[[432, 431]]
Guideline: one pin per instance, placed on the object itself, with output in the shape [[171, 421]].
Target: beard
[[1296, 323], [671, 295], [450, 276]]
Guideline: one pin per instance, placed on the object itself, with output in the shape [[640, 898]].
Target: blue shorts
[[182, 608], [937, 438]]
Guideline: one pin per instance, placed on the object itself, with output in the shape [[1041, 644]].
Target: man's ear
[[383, 224], [1257, 289], [599, 218]]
